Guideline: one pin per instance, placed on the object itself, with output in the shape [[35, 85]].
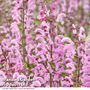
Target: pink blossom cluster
[[45, 40]]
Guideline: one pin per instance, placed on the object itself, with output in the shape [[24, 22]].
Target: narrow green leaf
[[30, 66], [59, 23], [37, 22], [87, 37], [32, 51]]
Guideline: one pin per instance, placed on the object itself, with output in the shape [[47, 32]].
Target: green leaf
[[63, 74], [65, 35], [87, 37], [1, 64], [31, 66], [33, 36], [37, 22], [30, 72], [38, 56], [30, 32], [47, 0], [35, 13], [59, 23], [31, 77], [1, 29], [33, 52], [70, 33], [53, 65], [76, 46], [76, 54], [66, 43], [69, 68], [4, 36], [75, 74], [88, 47]]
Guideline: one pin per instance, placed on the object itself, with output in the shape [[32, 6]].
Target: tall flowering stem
[[51, 54], [23, 35], [44, 40]]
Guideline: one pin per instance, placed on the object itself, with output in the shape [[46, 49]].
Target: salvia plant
[[46, 41]]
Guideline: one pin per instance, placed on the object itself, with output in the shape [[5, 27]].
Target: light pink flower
[[36, 84], [60, 18], [15, 75]]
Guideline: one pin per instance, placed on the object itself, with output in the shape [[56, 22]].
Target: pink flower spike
[[11, 69], [41, 12], [77, 43], [71, 28], [73, 35], [53, 16], [53, 8], [45, 30], [28, 70], [18, 70], [5, 73], [2, 60], [43, 18], [52, 24], [50, 35], [19, 8]]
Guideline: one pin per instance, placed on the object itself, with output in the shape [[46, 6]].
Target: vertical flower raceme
[[46, 41]]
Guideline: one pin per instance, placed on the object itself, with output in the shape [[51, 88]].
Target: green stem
[[51, 57]]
